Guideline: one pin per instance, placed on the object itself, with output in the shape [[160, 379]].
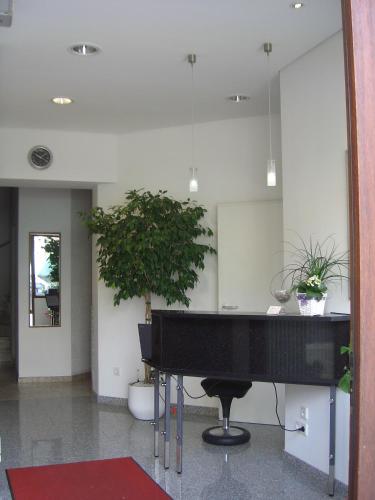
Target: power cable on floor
[[300, 429]]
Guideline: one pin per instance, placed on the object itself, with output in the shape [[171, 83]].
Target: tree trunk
[[148, 321], [148, 307]]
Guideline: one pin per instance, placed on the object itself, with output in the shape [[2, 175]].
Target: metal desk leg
[[332, 440], [156, 414], [180, 428], [167, 421]]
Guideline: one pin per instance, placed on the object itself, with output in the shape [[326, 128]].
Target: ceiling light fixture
[[62, 100], [296, 5], [271, 164], [238, 98], [84, 49], [193, 183]]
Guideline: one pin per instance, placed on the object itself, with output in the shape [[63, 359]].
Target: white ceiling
[[141, 79]]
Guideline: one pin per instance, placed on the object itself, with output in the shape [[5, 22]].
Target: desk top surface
[[248, 315]]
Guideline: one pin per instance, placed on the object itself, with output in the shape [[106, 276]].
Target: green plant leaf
[[150, 244], [345, 350], [345, 382]]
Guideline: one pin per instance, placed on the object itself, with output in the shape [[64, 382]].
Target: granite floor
[[49, 423]]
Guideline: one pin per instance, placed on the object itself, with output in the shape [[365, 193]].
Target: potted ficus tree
[[149, 245]]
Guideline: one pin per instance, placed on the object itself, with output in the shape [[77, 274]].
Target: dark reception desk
[[290, 349]]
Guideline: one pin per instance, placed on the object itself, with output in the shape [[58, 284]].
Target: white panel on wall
[[250, 253]]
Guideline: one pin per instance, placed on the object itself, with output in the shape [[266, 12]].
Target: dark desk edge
[[249, 315]]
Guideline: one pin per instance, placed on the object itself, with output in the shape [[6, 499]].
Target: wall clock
[[40, 157]]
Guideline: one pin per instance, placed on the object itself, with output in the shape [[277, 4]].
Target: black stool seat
[[226, 390]]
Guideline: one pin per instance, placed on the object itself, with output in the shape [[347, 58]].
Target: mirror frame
[[31, 294]]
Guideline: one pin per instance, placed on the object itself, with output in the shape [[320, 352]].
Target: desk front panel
[[291, 350]]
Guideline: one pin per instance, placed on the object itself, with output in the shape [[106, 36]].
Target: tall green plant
[[52, 247], [149, 245], [315, 265]]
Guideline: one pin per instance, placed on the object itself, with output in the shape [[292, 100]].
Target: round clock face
[[40, 157]]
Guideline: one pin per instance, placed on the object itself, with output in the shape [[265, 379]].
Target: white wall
[[313, 119], [231, 158], [80, 159], [94, 309], [44, 351], [77, 157], [14, 275], [80, 283], [65, 350]]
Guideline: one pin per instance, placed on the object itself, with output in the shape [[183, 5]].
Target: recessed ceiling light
[[84, 49], [296, 5], [238, 98], [62, 100]]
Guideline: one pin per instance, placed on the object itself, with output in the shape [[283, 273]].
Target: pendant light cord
[[192, 115], [269, 104]]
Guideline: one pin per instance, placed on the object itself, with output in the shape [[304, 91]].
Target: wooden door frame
[[359, 46]]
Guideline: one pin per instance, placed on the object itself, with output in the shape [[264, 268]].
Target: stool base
[[226, 437]]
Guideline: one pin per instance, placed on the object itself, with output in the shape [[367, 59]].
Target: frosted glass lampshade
[[193, 184], [271, 173]]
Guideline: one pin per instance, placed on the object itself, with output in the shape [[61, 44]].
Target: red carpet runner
[[114, 479]]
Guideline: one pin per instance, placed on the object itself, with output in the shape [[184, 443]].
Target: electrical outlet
[[305, 432], [304, 412], [116, 371]]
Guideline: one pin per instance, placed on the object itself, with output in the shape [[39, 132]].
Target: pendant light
[[271, 164], [193, 183]]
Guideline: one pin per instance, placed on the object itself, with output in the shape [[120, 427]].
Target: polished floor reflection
[[62, 422]]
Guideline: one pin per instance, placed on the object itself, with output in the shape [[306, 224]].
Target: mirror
[[44, 265]]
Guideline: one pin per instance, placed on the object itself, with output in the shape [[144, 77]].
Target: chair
[[145, 340], [225, 390], [53, 304]]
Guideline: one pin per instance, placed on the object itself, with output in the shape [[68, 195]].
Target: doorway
[[8, 283]]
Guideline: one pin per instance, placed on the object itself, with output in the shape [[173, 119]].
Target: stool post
[[226, 403], [180, 426], [167, 421]]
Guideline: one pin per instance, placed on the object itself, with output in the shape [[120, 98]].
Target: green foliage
[[345, 382], [316, 264], [149, 245], [52, 247]]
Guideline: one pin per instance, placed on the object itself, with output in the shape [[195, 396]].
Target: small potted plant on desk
[[148, 246], [315, 266]]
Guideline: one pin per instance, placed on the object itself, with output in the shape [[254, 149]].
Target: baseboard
[[188, 409], [67, 378], [340, 487], [108, 400], [206, 411], [82, 376]]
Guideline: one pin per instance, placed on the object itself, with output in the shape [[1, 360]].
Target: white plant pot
[[141, 401], [311, 307]]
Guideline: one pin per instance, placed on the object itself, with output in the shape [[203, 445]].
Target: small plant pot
[[311, 307], [141, 401]]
